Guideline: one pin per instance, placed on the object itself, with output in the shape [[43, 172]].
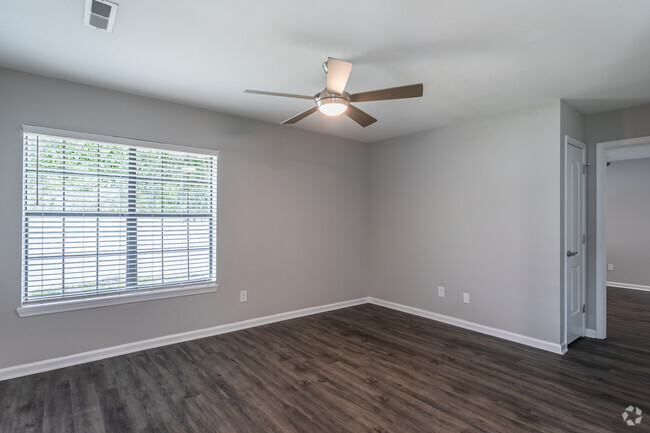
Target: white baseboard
[[628, 286], [590, 333], [136, 346], [500, 333]]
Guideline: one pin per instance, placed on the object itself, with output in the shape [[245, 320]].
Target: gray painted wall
[[474, 208], [572, 122], [627, 206], [608, 126], [293, 216]]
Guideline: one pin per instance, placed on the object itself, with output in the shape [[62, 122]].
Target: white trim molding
[[628, 286], [591, 333], [495, 332], [71, 304], [601, 225], [136, 346], [116, 139]]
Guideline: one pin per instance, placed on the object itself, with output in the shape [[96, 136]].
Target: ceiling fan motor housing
[[326, 97]]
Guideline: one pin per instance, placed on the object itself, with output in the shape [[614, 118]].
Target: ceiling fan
[[334, 100]]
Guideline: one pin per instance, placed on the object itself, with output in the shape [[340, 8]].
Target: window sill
[[116, 299]]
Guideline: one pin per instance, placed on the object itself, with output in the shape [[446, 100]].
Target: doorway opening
[[609, 152]]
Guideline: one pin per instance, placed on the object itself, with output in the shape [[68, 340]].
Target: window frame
[[47, 306]]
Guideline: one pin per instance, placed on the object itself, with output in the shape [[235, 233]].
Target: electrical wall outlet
[[610, 267], [466, 298], [441, 291], [243, 296]]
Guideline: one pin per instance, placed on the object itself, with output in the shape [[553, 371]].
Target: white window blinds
[[106, 218]]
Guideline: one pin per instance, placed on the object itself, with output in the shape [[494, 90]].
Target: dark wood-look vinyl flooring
[[360, 369]]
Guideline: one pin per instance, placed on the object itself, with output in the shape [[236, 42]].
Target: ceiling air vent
[[100, 14]]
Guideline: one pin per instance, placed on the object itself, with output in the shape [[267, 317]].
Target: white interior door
[[575, 239]]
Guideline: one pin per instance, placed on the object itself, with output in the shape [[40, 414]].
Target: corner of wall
[[572, 121]]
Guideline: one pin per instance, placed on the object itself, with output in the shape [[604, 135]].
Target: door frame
[[601, 246], [570, 141]]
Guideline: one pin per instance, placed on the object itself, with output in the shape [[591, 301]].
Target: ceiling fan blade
[[300, 116], [284, 95], [361, 117], [338, 73], [412, 91]]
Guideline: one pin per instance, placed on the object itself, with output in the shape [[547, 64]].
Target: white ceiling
[[474, 57]]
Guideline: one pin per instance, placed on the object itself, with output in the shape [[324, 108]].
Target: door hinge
[[584, 239], [584, 168], [584, 308]]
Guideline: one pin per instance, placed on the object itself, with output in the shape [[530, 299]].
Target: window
[[106, 217]]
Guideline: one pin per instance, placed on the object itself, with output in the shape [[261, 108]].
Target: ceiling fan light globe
[[332, 104], [332, 108]]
